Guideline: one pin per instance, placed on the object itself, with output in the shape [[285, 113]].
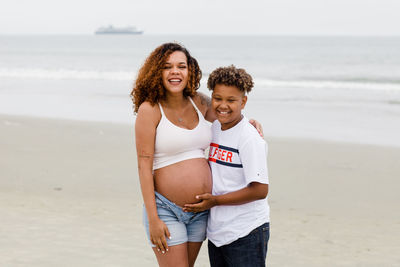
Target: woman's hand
[[207, 202], [158, 234], [258, 127]]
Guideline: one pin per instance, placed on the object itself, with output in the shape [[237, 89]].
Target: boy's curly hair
[[230, 76], [149, 85]]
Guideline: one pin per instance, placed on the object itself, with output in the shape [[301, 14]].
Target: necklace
[[179, 116]]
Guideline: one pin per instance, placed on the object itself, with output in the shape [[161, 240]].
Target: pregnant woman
[[171, 135]]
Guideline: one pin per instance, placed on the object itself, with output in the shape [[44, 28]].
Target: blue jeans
[[183, 226], [248, 251]]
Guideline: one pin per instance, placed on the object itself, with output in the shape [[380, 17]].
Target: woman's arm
[[254, 191], [145, 130]]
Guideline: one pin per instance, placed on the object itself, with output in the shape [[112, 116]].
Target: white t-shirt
[[237, 156]]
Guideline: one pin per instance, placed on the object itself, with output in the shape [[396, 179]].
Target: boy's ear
[[244, 101]]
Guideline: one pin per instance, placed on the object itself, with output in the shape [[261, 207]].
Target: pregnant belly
[[182, 181]]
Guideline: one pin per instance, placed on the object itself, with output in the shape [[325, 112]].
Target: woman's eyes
[[169, 67]]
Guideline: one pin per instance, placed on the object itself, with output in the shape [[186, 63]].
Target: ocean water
[[330, 88]]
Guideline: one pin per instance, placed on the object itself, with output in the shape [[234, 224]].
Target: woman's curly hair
[[149, 85], [230, 76]]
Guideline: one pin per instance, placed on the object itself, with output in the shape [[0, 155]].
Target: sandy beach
[[70, 196]]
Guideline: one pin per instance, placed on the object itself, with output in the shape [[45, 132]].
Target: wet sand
[[70, 196]]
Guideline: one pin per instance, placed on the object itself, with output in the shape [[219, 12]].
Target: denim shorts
[[183, 226], [248, 251]]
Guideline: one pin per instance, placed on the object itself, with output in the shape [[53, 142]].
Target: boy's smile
[[227, 103]]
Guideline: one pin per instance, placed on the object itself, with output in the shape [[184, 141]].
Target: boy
[[238, 224]]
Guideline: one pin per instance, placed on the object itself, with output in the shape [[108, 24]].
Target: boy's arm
[[254, 191]]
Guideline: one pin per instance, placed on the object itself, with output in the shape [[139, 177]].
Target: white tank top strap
[[195, 107], [162, 111]]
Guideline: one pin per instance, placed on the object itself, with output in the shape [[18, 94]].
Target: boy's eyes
[[220, 99]]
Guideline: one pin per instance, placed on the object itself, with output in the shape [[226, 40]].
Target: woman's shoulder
[[202, 101], [146, 106], [149, 111]]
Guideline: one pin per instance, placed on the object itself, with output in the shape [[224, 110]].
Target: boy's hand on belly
[[207, 202]]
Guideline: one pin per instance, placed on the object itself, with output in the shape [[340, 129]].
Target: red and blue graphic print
[[224, 155]]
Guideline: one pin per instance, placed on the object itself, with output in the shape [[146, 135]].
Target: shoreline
[[70, 196], [328, 140]]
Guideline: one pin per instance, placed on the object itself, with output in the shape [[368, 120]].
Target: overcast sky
[[272, 17]]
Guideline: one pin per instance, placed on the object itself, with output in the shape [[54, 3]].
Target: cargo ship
[[118, 30]]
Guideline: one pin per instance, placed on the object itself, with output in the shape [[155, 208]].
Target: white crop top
[[174, 144]]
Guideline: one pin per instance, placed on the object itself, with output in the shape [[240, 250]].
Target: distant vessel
[[118, 30]]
